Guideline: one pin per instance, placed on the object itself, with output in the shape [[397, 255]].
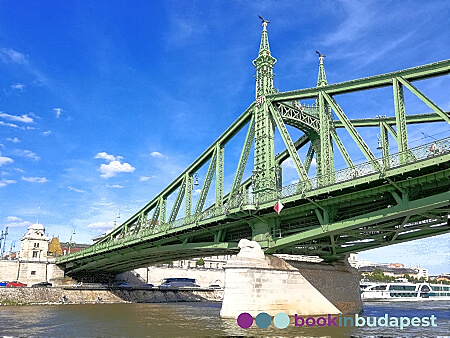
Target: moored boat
[[404, 291]]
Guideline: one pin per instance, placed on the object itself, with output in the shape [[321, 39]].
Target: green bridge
[[396, 197]]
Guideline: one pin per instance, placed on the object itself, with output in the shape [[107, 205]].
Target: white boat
[[404, 291]]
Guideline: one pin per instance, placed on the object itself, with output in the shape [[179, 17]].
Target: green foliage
[[200, 261]]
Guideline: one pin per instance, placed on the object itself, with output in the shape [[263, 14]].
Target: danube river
[[198, 320]]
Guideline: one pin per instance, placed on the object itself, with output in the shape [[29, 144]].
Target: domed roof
[[36, 226]]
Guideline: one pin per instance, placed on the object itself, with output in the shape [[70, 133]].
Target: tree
[[54, 248]]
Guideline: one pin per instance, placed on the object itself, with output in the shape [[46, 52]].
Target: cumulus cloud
[[16, 222], [105, 156], [101, 225], [4, 183], [114, 168], [5, 160], [46, 133], [34, 179], [16, 118]]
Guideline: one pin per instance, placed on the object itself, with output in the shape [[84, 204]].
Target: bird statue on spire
[[264, 22], [321, 56]]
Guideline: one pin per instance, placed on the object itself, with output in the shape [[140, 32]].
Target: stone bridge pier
[[256, 283]]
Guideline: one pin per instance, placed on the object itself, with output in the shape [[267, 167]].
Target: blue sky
[[103, 105]]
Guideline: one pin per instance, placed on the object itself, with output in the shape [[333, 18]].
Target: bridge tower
[[324, 145], [265, 169]]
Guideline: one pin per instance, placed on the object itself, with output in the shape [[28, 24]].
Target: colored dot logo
[[245, 320], [263, 320]]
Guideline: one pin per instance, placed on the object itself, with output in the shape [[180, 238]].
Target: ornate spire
[[264, 64], [322, 78]]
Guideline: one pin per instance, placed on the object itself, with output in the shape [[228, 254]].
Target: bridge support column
[[255, 283]]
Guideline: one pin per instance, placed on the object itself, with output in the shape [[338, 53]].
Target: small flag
[[278, 207]]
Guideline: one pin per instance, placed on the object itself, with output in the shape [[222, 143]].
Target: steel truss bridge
[[389, 199]]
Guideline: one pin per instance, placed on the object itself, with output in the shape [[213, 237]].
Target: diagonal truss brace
[[309, 157], [289, 145], [342, 149], [206, 183], [244, 157], [424, 99], [353, 132]]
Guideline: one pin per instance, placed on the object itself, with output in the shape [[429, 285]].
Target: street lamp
[[70, 241]]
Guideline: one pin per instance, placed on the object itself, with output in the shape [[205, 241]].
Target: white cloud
[[16, 222], [146, 178], [103, 155], [18, 86], [23, 118], [46, 133], [8, 55], [101, 225], [4, 183], [115, 167], [9, 124], [156, 154], [29, 154], [115, 186], [288, 163], [13, 140], [5, 160], [34, 179], [76, 190], [58, 112]]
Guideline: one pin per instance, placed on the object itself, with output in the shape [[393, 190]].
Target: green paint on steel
[[398, 197]]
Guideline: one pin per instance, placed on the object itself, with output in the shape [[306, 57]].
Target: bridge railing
[[422, 152], [425, 151]]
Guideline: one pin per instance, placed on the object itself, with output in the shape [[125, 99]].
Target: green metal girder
[[423, 204], [384, 80], [249, 138], [384, 139], [424, 99], [178, 201], [188, 194], [206, 183], [309, 158], [352, 131], [326, 144], [220, 158], [402, 139], [410, 119], [342, 149], [289, 144]]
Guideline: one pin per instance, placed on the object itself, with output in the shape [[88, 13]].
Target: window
[[35, 254], [33, 273], [36, 245]]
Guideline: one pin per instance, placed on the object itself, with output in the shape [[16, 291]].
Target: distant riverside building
[[35, 264]]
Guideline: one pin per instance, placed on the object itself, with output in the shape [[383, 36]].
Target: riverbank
[[64, 295]]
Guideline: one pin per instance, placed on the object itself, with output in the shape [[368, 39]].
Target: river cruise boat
[[404, 291]]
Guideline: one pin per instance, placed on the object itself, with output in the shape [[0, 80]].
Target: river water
[[198, 320]]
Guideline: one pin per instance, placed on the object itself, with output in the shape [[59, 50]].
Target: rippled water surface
[[197, 320]]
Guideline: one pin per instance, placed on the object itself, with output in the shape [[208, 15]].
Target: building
[[33, 265]]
